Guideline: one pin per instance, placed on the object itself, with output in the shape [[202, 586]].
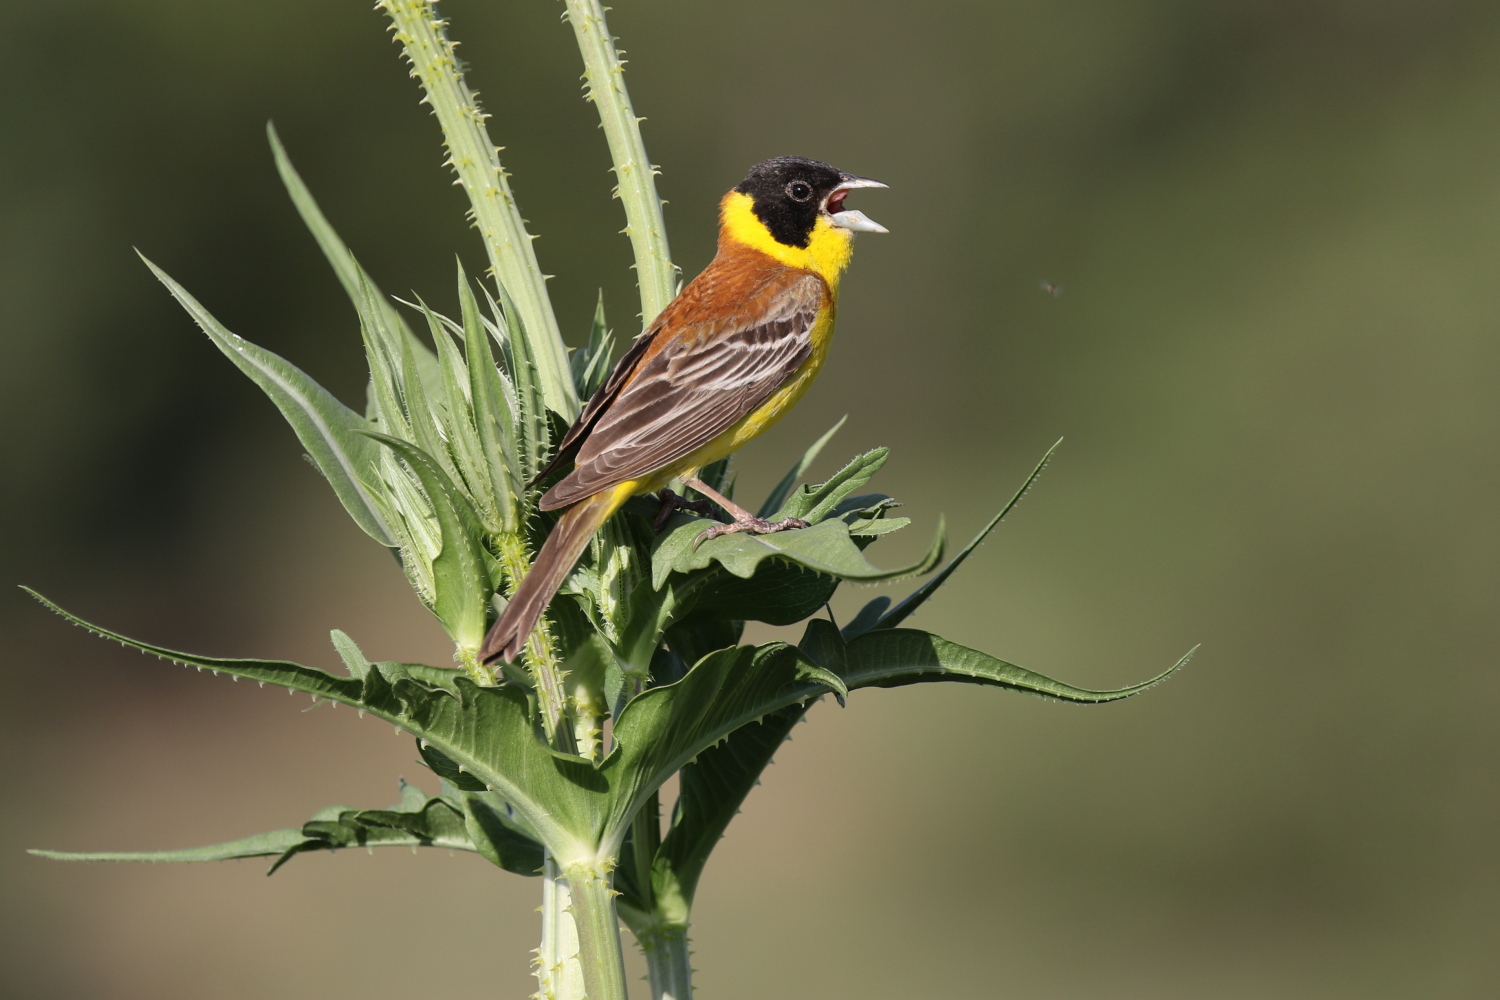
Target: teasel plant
[[553, 766]]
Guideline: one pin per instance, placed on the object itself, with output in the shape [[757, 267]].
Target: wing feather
[[702, 381]]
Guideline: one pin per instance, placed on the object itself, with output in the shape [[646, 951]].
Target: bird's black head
[[790, 192]]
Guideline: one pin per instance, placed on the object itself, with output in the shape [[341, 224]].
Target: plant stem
[[593, 909], [476, 160], [604, 72], [669, 962], [541, 653], [559, 975]]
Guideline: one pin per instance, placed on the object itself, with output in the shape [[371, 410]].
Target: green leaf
[[533, 440], [918, 597], [777, 593], [272, 844], [814, 503], [488, 732], [866, 618], [897, 657], [494, 420], [713, 788], [825, 547], [591, 364], [778, 495], [666, 727], [461, 584], [416, 821], [496, 836], [328, 429], [345, 267]]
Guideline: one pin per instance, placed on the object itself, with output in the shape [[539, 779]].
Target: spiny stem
[[541, 652], [593, 908], [604, 73], [559, 976], [669, 963], [476, 160]]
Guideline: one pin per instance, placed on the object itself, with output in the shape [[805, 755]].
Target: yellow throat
[[827, 252]]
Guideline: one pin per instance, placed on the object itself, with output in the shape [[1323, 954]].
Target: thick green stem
[[476, 160], [559, 974], [604, 72], [593, 909], [668, 962]]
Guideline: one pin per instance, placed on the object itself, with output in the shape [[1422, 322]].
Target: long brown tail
[[553, 564]]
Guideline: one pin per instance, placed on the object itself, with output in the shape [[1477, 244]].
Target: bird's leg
[[743, 519], [671, 502]]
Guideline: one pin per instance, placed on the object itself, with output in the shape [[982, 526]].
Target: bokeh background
[[1276, 225]]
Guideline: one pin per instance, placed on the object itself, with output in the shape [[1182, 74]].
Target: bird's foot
[[671, 503], [752, 525]]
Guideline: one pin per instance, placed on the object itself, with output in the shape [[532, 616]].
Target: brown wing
[[715, 367], [601, 398]]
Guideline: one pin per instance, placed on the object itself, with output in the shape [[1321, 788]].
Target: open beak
[[852, 219]]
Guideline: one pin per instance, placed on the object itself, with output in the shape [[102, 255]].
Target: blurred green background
[[1277, 228]]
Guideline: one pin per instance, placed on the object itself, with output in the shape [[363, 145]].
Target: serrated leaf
[[711, 791], [779, 493], [328, 429], [918, 597], [489, 732]]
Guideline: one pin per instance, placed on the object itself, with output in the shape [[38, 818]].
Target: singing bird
[[735, 350]]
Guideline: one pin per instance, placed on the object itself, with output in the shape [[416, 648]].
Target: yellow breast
[[827, 255]]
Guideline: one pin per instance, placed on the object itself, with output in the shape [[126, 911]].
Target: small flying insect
[[1052, 288]]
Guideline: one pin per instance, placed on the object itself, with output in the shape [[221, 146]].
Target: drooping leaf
[[918, 597], [779, 493], [328, 429]]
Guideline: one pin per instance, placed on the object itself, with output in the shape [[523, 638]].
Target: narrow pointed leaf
[[896, 657], [918, 597], [494, 421], [345, 267], [327, 428]]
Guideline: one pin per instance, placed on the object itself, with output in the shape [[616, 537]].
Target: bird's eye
[[799, 190]]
